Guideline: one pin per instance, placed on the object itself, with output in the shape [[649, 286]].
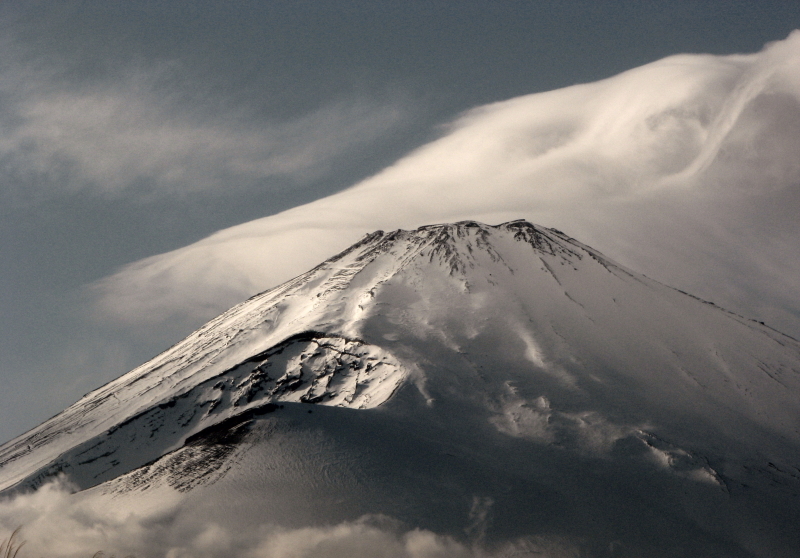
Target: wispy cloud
[[685, 169], [136, 132]]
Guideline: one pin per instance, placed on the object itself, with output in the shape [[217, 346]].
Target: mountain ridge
[[437, 243], [510, 339]]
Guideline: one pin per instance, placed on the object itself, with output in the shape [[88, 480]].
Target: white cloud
[[686, 169], [57, 524], [137, 131]]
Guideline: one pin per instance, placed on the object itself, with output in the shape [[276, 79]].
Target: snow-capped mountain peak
[[509, 338]]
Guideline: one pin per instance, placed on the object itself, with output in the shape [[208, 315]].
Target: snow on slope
[[497, 345], [685, 168]]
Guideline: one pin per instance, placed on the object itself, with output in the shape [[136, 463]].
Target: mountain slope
[[489, 382]]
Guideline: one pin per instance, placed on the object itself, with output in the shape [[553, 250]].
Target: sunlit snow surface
[[505, 386], [686, 169]]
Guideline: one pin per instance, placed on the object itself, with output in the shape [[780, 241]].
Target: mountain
[[506, 386]]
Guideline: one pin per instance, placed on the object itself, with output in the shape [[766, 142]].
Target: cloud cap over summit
[[685, 169]]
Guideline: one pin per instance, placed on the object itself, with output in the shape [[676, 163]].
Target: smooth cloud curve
[[686, 169]]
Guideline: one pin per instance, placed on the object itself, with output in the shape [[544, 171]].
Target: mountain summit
[[501, 384]]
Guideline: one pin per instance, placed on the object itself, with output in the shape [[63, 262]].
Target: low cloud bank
[[685, 169], [57, 524]]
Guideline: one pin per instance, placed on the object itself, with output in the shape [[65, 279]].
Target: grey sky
[[134, 128]]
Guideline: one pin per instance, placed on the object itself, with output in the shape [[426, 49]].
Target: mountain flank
[[496, 384]]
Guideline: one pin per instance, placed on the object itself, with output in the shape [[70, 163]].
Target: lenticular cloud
[[687, 169]]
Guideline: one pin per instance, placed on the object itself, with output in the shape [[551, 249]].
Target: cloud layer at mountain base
[[54, 524], [685, 169]]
